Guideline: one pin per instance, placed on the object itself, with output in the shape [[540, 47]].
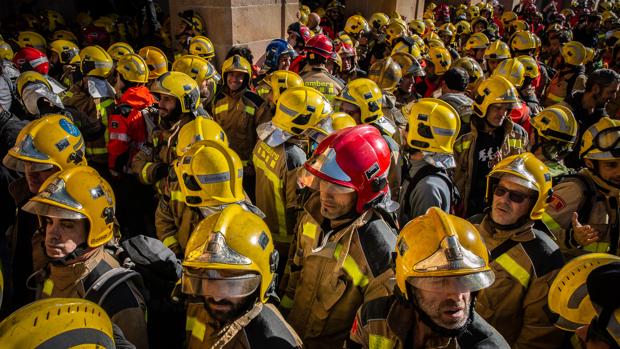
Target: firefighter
[[206, 77], [281, 152], [433, 301], [430, 141], [341, 231], [583, 212], [36, 156], [319, 49], [229, 268], [93, 97], [525, 260], [493, 136], [76, 207], [239, 111], [179, 99]]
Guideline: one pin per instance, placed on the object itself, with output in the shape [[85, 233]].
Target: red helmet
[[94, 35], [29, 58], [301, 31], [320, 45], [355, 157]]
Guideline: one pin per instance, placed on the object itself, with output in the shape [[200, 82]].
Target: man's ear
[[589, 164], [596, 89]]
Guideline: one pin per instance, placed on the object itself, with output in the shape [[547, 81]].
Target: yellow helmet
[[119, 49], [67, 51], [441, 59], [378, 20], [495, 89], [199, 129], [132, 67], [394, 31], [518, 25], [201, 46], [304, 9], [52, 140], [473, 12], [408, 46], [342, 120], [193, 20], [421, 45], [507, 17], [281, 80], [433, 40], [156, 61], [298, 109], [601, 140], [530, 65], [231, 240], [513, 70], [96, 62], [107, 23], [355, 25], [64, 35], [527, 171], [78, 193], [181, 86], [557, 123], [6, 52], [439, 251], [523, 40], [195, 67], [477, 41], [417, 26], [31, 39], [408, 64], [463, 28], [77, 321], [574, 53], [366, 95], [28, 77], [238, 64], [590, 54], [386, 73], [54, 19], [568, 296], [210, 174], [472, 67], [430, 24], [497, 50], [433, 126]]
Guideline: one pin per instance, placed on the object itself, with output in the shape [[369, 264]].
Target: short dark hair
[[242, 51], [602, 78], [456, 79]]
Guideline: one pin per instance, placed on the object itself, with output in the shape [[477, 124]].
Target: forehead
[[509, 183]]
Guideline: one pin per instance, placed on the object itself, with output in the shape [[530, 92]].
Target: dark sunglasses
[[514, 196]]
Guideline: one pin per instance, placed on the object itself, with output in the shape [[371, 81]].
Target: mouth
[[455, 313]]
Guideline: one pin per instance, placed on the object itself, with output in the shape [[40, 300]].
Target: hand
[[583, 234]]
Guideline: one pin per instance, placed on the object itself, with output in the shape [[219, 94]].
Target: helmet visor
[[54, 192], [20, 165], [47, 210], [327, 165], [308, 180], [214, 283], [457, 284], [608, 139], [321, 130], [271, 134]]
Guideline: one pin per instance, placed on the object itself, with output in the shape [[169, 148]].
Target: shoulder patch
[[269, 330], [556, 202], [376, 309], [378, 242]]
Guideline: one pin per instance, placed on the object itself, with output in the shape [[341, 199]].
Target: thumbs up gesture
[[583, 234]]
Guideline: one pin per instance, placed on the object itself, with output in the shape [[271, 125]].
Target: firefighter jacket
[[403, 98], [524, 269], [336, 266], [152, 161], [239, 113], [260, 327], [93, 124], [393, 323], [124, 304], [128, 127], [564, 84], [595, 201], [276, 176], [321, 80], [515, 142], [394, 114]]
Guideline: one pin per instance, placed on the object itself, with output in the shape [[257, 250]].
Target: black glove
[[161, 172]]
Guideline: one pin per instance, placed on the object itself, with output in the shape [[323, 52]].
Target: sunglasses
[[514, 196]]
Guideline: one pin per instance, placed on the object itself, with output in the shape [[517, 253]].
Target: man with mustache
[[441, 264], [525, 260], [583, 213], [341, 253], [229, 269]]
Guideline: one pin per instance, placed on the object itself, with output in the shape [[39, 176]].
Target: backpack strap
[[428, 170], [104, 279]]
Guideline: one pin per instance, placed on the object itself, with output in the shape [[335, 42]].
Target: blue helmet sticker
[[69, 127]]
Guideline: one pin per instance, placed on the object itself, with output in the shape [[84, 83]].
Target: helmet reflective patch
[[108, 215], [372, 171], [96, 192], [62, 144], [402, 247], [263, 240], [69, 127]]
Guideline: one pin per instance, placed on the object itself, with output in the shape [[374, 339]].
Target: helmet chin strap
[[68, 259]]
